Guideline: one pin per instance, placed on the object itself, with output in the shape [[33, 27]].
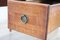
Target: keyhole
[[24, 19]]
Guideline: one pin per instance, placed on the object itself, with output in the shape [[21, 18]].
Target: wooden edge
[[47, 22], [34, 3], [55, 4]]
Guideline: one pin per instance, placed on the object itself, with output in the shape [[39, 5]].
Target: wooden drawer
[[3, 2], [34, 19]]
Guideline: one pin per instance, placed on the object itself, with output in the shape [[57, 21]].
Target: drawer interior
[[43, 1]]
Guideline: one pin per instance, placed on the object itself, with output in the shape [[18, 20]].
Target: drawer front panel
[[36, 17]]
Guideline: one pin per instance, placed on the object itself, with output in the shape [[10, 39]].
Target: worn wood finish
[[3, 2], [42, 18]]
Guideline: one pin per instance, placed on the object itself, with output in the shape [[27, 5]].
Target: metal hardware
[[24, 19]]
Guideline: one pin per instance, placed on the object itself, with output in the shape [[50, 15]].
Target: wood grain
[[42, 18], [54, 17], [37, 22]]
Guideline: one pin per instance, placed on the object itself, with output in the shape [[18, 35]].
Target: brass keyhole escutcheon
[[24, 19]]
